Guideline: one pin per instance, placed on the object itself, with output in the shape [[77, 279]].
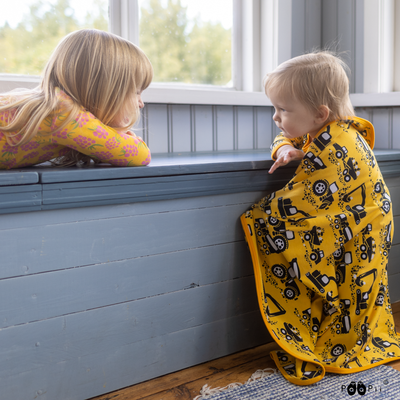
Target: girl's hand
[[284, 155], [133, 134]]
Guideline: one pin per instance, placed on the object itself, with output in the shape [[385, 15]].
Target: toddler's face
[[292, 117]]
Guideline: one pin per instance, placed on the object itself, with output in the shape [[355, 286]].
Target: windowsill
[[168, 177], [188, 94]]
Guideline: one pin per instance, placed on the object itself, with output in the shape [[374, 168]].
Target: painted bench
[[113, 276]]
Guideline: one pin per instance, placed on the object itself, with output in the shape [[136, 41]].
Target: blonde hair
[[315, 79], [100, 71]]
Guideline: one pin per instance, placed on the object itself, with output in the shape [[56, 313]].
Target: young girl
[[89, 97], [320, 245]]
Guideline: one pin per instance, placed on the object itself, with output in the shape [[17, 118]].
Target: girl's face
[[292, 117], [121, 119]]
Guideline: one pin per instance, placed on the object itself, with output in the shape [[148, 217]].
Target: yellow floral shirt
[[85, 133]]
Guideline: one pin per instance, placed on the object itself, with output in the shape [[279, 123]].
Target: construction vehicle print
[[280, 271], [282, 357], [357, 210], [307, 314], [367, 248], [381, 344], [352, 360], [350, 166], [287, 276], [291, 333], [323, 139], [314, 238], [324, 190], [385, 198], [316, 323], [309, 374], [363, 297], [279, 242], [342, 225], [387, 241], [341, 268], [313, 162], [365, 334], [319, 280], [367, 150], [380, 298], [336, 351], [343, 324], [274, 309]]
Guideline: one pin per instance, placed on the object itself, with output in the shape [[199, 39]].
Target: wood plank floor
[[186, 384]]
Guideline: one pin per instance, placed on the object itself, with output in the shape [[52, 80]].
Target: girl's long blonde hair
[[315, 79], [100, 71]]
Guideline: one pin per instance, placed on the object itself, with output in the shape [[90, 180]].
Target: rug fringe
[[207, 391]]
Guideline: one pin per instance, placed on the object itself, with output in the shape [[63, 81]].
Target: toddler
[[88, 99], [320, 245]]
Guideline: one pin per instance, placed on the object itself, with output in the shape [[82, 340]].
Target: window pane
[[31, 29], [188, 41]]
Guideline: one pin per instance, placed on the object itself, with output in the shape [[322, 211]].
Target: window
[[188, 41], [31, 29]]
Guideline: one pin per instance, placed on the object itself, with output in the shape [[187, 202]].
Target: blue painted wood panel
[[18, 177], [204, 128], [41, 296], [225, 125], [180, 127], [245, 128], [55, 247], [87, 354], [263, 131], [158, 128], [20, 198]]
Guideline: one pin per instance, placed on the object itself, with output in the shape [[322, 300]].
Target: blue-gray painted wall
[[111, 276]]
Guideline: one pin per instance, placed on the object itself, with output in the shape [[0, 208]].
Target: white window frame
[[261, 41]]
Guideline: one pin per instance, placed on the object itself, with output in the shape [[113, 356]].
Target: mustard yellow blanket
[[320, 249]]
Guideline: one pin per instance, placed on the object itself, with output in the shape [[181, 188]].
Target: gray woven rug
[[382, 382]]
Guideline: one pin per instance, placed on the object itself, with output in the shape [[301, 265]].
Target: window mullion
[[124, 19]]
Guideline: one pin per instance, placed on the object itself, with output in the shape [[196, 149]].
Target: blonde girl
[[88, 99]]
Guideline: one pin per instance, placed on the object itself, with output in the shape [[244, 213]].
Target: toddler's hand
[[284, 155]]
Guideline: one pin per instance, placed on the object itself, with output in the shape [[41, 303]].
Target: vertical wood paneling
[[382, 121], [203, 128], [225, 128], [329, 23], [306, 26], [343, 31], [365, 113], [245, 128], [263, 127], [158, 128], [180, 133], [346, 35], [396, 128], [313, 24]]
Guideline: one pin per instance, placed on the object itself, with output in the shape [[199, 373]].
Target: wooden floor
[[186, 384]]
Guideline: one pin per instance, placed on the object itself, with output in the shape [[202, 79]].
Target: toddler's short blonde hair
[[315, 79]]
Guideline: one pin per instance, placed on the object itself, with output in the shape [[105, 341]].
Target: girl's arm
[[89, 136]]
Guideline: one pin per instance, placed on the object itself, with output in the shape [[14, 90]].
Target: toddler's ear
[[322, 114]]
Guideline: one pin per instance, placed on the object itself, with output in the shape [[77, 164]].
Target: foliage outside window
[[182, 47], [26, 47], [185, 49]]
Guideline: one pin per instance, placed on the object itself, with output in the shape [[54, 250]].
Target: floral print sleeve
[[85, 133], [281, 140], [89, 136]]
